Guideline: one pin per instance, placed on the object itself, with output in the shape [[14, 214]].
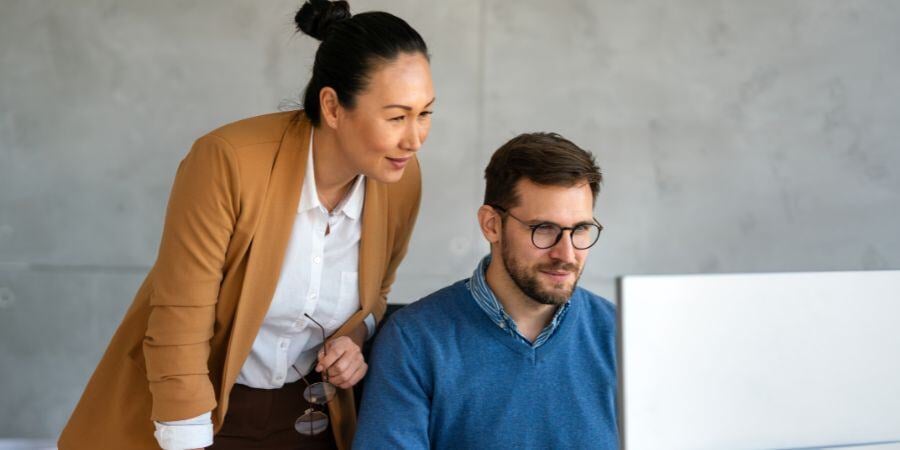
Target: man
[[516, 356]]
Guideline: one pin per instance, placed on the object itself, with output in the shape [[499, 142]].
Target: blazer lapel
[[268, 247], [372, 253], [373, 244]]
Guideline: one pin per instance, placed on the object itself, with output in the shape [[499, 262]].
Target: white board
[[759, 361]]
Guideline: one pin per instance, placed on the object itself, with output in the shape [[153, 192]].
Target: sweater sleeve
[[202, 210], [396, 401]]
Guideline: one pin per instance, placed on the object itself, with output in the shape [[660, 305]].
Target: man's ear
[[329, 106], [491, 224]]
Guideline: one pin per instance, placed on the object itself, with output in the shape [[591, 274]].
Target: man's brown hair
[[543, 158]]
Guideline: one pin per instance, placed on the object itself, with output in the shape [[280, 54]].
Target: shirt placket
[[316, 263]]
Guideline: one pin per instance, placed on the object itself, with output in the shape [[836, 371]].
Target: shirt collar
[[352, 203], [488, 302]]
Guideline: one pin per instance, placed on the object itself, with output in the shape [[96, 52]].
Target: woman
[[280, 229]]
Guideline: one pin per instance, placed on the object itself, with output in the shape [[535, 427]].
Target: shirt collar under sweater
[[488, 302]]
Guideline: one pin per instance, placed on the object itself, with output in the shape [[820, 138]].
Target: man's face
[[548, 276]]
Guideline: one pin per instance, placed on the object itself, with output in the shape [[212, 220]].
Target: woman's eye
[[397, 119], [426, 113]]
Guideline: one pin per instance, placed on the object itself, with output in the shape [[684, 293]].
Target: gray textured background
[[735, 136]]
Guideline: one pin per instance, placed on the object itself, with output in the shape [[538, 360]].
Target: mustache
[[559, 267]]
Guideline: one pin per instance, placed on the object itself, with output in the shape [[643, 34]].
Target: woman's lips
[[399, 163]]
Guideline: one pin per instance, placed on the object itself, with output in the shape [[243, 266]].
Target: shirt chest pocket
[[347, 300]]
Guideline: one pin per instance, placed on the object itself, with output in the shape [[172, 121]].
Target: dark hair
[[352, 47], [543, 158]]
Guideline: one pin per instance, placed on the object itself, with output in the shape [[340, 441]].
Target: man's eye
[[547, 229]]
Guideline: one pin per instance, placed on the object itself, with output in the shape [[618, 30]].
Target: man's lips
[[557, 275]]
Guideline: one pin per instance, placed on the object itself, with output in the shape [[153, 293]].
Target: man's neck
[[529, 315]]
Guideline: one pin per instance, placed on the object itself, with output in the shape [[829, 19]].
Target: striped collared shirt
[[488, 302]]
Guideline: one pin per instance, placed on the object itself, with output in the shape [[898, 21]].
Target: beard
[[526, 278]]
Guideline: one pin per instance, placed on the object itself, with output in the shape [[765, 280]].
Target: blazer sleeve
[[200, 218], [401, 239]]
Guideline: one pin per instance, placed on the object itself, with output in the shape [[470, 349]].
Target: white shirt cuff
[[370, 326], [196, 432]]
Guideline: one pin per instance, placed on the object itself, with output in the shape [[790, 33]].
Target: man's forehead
[[540, 199]]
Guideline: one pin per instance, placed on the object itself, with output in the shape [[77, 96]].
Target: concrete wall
[[735, 136]]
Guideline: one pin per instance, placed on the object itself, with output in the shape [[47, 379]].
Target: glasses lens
[[311, 423], [319, 393], [545, 235], [585, 236]]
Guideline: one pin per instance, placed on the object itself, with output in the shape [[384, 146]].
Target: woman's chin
[[387, 176]]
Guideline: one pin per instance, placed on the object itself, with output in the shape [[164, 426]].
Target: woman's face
[[390, 120]]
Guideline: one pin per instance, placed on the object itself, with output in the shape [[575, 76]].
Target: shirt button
[[502, 325], [317, 259]]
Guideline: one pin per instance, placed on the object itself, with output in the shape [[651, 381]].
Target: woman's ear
[[329, 106]]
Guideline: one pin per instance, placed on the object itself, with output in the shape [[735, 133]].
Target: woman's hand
[[343, 359]]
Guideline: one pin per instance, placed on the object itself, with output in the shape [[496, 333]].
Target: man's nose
[[563, 250]]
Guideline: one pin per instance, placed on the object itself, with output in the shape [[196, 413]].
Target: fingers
[[343, 362], [335, 350], [343, 369], [356, 377], [352, 376]]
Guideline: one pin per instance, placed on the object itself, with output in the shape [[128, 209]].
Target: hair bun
[[315, 17]]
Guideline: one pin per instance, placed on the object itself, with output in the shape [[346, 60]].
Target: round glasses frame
[[592, 229], [313, 422]]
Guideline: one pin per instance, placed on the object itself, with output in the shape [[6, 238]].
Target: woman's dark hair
[[352, 47], [543, 158]]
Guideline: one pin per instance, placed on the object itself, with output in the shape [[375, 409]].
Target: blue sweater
[[443, 376]]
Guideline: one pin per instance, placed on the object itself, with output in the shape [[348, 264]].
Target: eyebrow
[[540, 221], [408, 108]]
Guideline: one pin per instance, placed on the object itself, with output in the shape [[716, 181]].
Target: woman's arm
[[202, 211]]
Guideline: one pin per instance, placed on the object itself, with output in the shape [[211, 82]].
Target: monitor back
[[759, 361]]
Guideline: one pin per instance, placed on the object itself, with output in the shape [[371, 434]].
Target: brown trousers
[[264, 419]]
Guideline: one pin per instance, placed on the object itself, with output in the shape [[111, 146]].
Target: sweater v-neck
[[485, 325]]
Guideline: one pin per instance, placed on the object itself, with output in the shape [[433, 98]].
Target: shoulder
[[247, 148], [431, 312], [242, 140], [597, 308], [253, 131]]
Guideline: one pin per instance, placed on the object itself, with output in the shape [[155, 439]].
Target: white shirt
[[319, 278]]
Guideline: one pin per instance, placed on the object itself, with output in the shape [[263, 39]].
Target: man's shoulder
[[597, 307], [419, 325], [435, 306]]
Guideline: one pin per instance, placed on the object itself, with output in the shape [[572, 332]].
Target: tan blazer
[[185, 337]]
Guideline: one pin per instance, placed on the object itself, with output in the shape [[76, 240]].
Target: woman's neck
[[334, 174]]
